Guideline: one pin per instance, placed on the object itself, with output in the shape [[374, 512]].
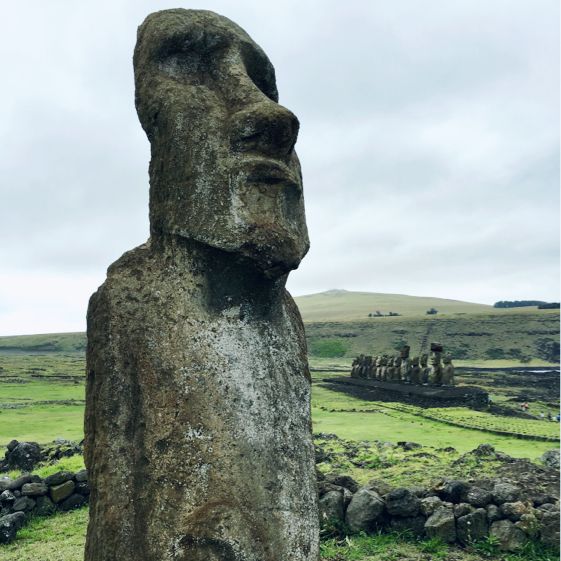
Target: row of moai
[[402, 368]]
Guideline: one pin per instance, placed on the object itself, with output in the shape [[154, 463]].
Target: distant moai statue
[[397, 368], [425, 370], [405, 369], [435, 374], [372, 368], [415, 371], [355, 367], [383, 368], [198, 429], [390, 370], [447, 377]]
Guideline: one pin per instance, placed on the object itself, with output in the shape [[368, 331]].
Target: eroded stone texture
[[198, 432]]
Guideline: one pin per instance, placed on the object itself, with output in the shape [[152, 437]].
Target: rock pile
[[454, 511], [30, 495], [24, 456]]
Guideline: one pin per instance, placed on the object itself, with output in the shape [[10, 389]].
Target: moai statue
[[447, 371], [425, 370], [405, 369], [397, 368], [369, 367], [198, 430], [415, 372], [354, 367], [383, 368], [435, 374], [390, 370], [374, 367]]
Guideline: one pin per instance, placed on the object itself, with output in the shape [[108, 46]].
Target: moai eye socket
[[260, 70]]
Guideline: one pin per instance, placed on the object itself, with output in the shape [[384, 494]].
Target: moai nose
[[264, 127]]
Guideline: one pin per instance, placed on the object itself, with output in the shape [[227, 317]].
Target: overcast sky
[[429, 143]]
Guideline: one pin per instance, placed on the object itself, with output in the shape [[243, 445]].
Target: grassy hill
[[344, 305]]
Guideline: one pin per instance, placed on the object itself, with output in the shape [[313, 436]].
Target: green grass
[[42, 423], [56, 538], [401, 547], [407, 423]]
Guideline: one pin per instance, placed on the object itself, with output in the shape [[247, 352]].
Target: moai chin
[[198, 430]]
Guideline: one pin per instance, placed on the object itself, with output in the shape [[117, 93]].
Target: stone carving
[[401, 368], [198, 390]]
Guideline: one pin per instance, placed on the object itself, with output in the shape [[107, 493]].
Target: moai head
[[435, 358], [405, 351], [397, 361], [223, 170], [424, 359], [447, 359], [383, 361], [415, 361]]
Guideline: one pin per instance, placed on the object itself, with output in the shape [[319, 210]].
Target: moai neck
[[227, 283]]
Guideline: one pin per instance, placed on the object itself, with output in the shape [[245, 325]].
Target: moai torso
[[198, 439], [425, 370], [435, 373], [447, 377], [415, 376]]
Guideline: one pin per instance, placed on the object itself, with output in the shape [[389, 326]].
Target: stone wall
[[454, 511], [30, 495]]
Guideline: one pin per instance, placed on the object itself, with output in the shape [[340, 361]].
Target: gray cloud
[[429, 142]]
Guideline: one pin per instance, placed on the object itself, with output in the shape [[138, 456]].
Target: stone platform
[[426, 396]]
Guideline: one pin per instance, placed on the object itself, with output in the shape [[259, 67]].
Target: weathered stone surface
[[493, 513], [7, 498], [83, 488], [529, 524], [44, 507], [401, 502], [365, 512], [58, 478], [34, 489], [72, 502], [453, 491], [513, 511], [60, 492], [549, 528], [510, 538], [551, 458], [13, 484], [442, 525], [9, 525], [23, 456], [198, 434], [429, 505], [505, 493], [332, 506], [413, 524], [479, 497], [81, 476], [23, 504], [472, 527], [343, 481], [462, 509]]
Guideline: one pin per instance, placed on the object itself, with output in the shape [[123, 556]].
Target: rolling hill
[[344, 305]]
